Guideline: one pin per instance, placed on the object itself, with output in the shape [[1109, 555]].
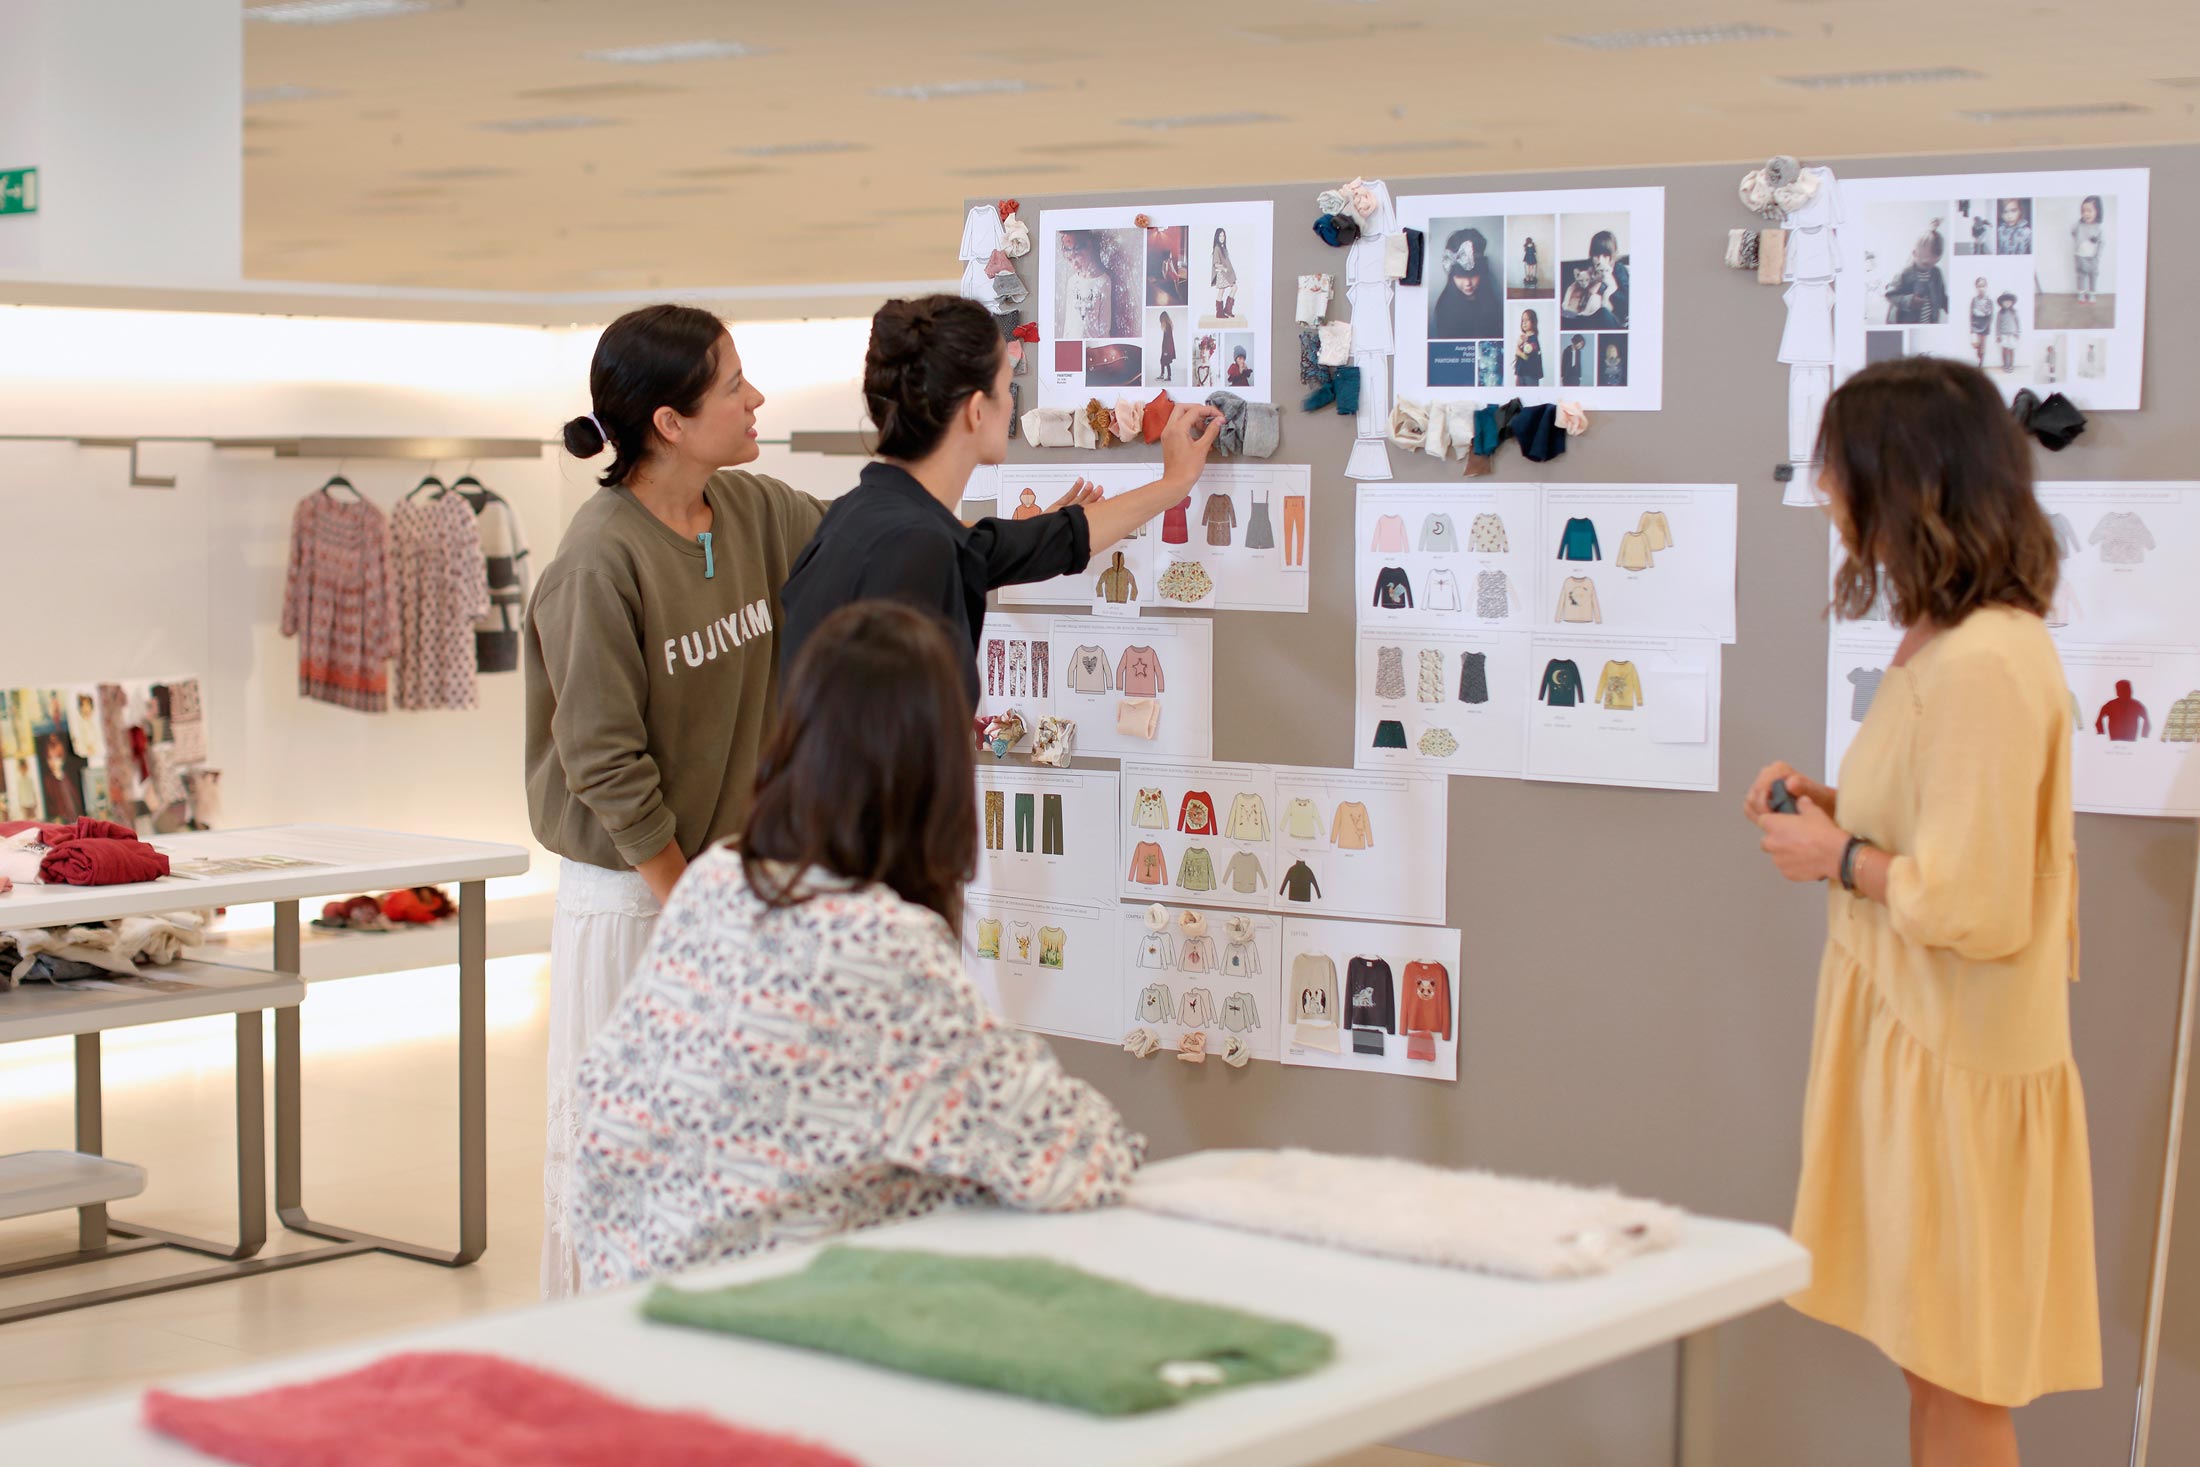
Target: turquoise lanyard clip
[[710, 561]]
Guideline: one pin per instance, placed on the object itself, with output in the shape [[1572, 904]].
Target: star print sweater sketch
[[1138, 673], [839, 1071]]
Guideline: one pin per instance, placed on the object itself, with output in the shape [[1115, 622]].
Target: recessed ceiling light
[[1010, 170], [1432, 145], [668, 52], [559, 122], [1909, 76], [1203, 119], [285, 92], [2068, 109], [1674, 35], [992, 87], [333, 12], [794, 150], [599, 91], [460, 175]]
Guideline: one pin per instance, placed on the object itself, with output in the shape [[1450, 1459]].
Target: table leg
[[91, 1137], [251, 1125], [473, 1097], [1696, 1400]]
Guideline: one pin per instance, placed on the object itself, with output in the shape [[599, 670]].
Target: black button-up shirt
[[888, 538]]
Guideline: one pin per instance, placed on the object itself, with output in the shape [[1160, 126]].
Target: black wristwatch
[[1848, 861]]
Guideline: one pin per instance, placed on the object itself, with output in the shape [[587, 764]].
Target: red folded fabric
[[476, 1409], [86, 828], [102, 863], [1157, 415]]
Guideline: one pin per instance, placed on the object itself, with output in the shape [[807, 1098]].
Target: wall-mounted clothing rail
[[418, 448]]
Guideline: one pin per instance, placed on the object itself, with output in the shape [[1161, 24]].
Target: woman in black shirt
[[936, 379]]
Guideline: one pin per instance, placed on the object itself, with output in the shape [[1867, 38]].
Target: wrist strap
[[1848, 861]]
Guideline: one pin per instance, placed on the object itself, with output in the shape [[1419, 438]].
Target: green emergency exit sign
[[18, 191]]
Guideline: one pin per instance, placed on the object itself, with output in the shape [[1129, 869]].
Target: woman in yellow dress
[[1946, 1194]]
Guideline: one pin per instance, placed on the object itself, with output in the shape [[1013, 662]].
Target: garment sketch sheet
[[1647, 559], [1016, 669], [1045, 832], [1237, 542], [1136, 688], [2039, 278], [1285, 838], [1048, 966], [1371, 996], [1195, 969], [2126, 621], [1180, 304], [1547, 296]]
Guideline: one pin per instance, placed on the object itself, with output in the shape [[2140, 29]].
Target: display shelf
[[182, 990], [32, 1182], [518, 926]]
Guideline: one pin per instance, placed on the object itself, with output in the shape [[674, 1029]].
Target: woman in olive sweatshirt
[[651, 658]]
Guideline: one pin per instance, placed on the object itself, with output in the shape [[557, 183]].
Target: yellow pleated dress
[[1947, 1189]]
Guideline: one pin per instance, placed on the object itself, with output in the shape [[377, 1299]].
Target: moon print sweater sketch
[[1393, 592], [1579, 542], [1577, 600], [1438, 537], [1561, 683]]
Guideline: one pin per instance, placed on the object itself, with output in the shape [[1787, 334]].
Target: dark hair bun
[[583, 439], [926, 358]]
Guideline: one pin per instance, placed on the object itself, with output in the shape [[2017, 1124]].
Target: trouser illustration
[[1294, 529], [993, 807], [1040, 675], [1023, 822], [1018, 668], [1050, 825], [994, 653]]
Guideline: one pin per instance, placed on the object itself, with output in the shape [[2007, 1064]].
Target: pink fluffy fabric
[[462, 1409]]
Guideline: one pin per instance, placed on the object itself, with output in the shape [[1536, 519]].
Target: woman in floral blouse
[[800, 1053]]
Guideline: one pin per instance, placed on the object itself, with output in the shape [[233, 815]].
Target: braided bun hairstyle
[[658, 356], [926, 358]]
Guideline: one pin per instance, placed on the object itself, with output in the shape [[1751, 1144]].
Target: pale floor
[[381, 1154]]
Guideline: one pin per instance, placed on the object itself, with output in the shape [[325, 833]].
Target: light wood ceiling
[[839, 149]]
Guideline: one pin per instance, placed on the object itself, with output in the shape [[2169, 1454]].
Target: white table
[[339, 862], [1415, 1345]]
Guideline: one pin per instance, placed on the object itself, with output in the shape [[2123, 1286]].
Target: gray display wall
[[1637, 985]]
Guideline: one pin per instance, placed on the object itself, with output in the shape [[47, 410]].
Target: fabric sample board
[[1025, 1326]]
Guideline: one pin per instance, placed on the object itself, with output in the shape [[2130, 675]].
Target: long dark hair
[[658, 356], [926, 358], [868, 772], [1933, 480]]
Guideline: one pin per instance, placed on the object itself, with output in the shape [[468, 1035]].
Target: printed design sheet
[[1188, 969], [1547, 296], [1136, 688], [2040, 278], [1015, 670], [1371, 996], [2126, 620], [1050, 966], [1045, 832], [1237, 542], [1271, 837], [1120, 580], [1640, 559], [1181, 305]]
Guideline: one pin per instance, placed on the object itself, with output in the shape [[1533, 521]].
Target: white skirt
[[602, 928]]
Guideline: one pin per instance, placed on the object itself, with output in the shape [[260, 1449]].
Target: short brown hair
[[1933, 483], [868, 773]]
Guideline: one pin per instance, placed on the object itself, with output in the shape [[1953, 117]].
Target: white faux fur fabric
[[1402, 1209]]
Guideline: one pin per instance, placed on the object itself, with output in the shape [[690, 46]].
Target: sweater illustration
[[1117, 585], [1197, 955], [1196, 871], [1196, 815], [2123, 718], [1298, 882], [1438, 536], [1156, 950], [1138, 673], [1244, 873], [1369, 995], [1089, 671], [1619, 687], [1154, 1005], [1197, 1009], [1148, 867], [1350, 830], [2123, 537], [1302, 821], [1654, 528], [1561, 683], [1150, 811], [1240, 1013], [1427, 1007], [1579, 541], [2183, 724], [1241, 959], [1634, 552], [1248, 817], [1577, 600], [1393, 592], [1487, 535]]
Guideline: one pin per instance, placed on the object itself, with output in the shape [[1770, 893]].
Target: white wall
[[116, 582], [133, 113]]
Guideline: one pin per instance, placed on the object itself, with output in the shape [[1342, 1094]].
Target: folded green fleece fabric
[[1026, 1326]]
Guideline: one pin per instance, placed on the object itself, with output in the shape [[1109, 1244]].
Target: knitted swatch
[[475, 1409], [1026, 1326]]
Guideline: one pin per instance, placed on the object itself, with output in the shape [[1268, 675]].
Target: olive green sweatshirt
[[651, 685]]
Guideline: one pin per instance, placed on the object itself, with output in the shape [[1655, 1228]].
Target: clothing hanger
[[338, 481], [440, 489]]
